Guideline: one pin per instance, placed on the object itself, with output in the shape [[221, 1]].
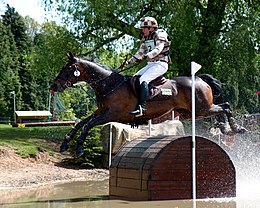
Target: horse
[[115, 98]]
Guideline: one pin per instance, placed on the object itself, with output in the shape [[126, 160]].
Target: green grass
[[29, 140]]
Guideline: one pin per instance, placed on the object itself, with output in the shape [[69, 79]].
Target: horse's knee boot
[[79, 149], [64, 146]]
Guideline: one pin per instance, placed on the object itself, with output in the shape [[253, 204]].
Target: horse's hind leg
[[219, 113], [231, 120]]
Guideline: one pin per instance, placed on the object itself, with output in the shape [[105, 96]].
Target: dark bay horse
[[115, 98]]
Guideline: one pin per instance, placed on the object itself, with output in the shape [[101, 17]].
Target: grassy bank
[[28, 141]]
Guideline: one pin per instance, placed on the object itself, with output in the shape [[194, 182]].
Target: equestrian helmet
[[149, 22]]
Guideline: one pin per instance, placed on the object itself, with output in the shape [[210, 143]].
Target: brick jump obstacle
[[160, 168]]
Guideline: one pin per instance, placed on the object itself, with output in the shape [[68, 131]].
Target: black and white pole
[[194, 68]]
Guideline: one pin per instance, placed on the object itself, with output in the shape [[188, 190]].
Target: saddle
[[159, 89]]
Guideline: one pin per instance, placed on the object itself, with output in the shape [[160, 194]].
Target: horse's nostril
[[54, 87], [52, 91]]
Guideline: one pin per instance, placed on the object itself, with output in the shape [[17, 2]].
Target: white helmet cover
[[149, 22]]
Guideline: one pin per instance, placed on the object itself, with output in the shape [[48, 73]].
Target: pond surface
[[94, 194]]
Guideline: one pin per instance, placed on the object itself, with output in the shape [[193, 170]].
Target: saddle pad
[[159, 89], [162, 92]]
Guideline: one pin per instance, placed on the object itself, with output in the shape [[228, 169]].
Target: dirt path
[[16, 172]]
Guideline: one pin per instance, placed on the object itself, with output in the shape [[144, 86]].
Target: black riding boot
[[140, 110]]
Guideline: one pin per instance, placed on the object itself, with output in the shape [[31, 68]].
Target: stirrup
[[140, 111]]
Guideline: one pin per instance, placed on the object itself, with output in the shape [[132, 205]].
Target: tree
[[16, 23], [9, 79], [51, 43], [12, 19], [238, 57]]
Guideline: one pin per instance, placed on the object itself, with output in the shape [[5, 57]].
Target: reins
[[130, 67]]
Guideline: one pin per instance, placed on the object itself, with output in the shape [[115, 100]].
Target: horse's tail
[[216, 86]]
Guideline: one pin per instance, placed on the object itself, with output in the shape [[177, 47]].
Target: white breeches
[[152, 70]]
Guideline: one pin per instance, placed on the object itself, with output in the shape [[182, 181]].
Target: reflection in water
[[73, 191], [95, 195]]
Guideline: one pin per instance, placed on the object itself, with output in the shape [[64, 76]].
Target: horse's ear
[[70, 56]]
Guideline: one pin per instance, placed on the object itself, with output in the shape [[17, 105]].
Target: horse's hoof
[[64, 147], [242, 130], [79, 150]]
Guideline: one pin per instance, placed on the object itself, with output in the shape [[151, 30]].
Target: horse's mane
[[95, 62]]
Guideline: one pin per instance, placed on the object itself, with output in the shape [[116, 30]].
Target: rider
[[155, 45]]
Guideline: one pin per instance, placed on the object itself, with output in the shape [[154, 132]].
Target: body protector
[[156, 47]]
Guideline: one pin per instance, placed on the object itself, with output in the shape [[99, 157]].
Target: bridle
[[74, 71]]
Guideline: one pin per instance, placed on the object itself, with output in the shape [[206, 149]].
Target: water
[[94, 194], [57, 195], [88, 194]]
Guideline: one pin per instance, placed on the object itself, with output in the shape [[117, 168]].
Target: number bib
[[150, 45]]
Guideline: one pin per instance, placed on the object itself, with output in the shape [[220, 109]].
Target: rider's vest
[[154, 39]]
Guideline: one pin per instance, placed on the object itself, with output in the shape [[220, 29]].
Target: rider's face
[[146, 31]]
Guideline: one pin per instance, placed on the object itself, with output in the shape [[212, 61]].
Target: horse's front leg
[[65, 145], [95, 121]]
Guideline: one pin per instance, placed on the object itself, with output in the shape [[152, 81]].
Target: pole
[[194, 68], [14, 109], [13, 92], [150, 127], [110, 145], [49, 103]]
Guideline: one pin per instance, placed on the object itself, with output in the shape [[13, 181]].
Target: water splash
[[246, 157]]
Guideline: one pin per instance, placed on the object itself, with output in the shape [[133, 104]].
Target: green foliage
[[50, 55], [15, 22], [238, 66], [92, 149], [82, 100], [26, 98], [9, 79]]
